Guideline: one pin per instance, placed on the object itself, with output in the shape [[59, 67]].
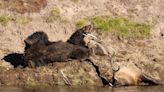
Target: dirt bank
[[58, 19]]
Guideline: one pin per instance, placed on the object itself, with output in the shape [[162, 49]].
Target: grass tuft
[[81, 23], [4, 19], [75, 1], [54, 15], [23, 20], [121, 26]]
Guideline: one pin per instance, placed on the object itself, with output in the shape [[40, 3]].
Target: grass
[[54, 15], [23, 20], [81, 23], [121, 26], [75, 1], [4, 19]]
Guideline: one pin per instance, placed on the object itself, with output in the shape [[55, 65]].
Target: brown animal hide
[[128, 76]]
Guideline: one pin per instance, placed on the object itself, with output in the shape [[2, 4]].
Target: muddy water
[[84, 89]]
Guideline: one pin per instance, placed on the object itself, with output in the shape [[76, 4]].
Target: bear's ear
[[28, 42], [87, 28]]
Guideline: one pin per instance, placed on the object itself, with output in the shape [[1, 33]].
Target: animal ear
[[87, 28], [28, 42]]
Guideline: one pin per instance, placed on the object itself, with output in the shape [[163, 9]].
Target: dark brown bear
[[37, 37], [40, 51], [77, 38]]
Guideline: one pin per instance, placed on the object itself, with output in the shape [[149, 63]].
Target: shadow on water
[[16, 59], [85, 89]]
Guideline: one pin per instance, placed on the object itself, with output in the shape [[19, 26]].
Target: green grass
[[121, 26], [4, 19], [81, 23]]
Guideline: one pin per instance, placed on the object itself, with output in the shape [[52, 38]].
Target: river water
[[84, 89]]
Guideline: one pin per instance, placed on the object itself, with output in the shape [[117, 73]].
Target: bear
[[83, 37], [37, 37], [40, 51], [77, 38]]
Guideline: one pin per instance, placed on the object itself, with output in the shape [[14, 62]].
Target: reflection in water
[[84, 89]]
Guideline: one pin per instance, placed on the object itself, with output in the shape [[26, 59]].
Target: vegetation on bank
[[118, 26], [81, 23], [5, 19], [55, 15], [75, 1], [23, 20]]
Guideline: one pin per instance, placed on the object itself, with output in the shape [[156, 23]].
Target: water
[[84, 89]]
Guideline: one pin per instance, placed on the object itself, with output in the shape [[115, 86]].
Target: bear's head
[[37, 37]]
